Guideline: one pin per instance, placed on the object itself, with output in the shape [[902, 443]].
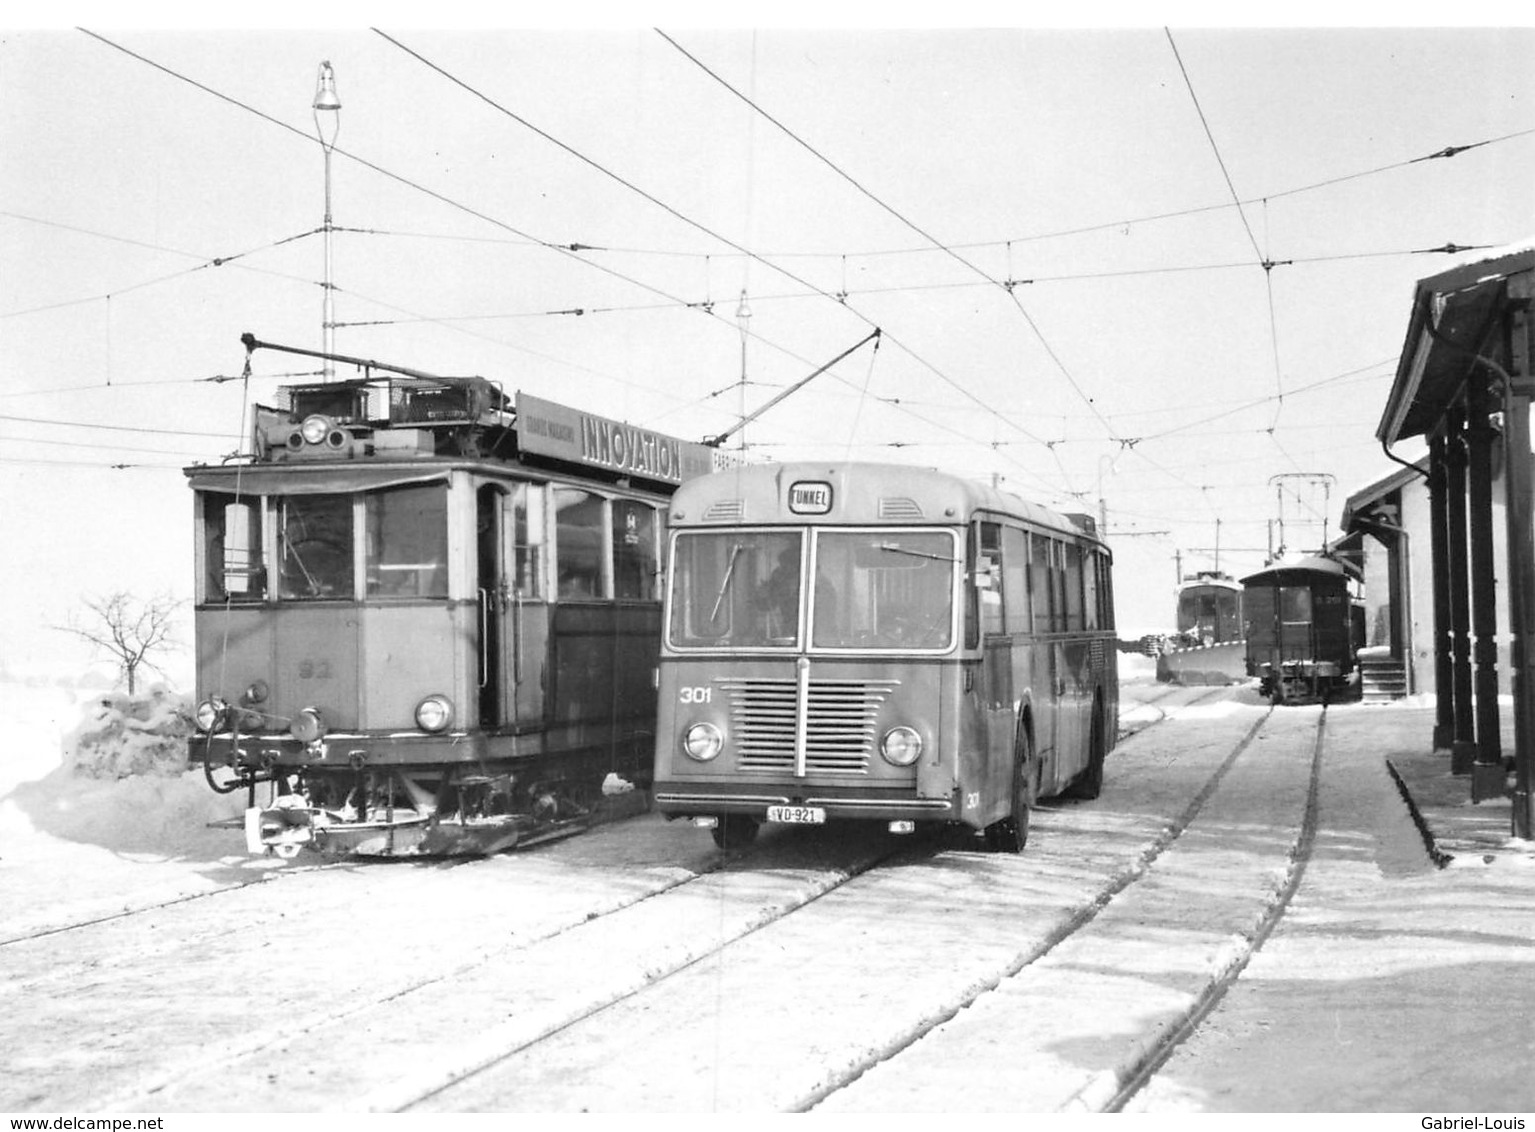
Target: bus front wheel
[[1011, 834], [735, 831]]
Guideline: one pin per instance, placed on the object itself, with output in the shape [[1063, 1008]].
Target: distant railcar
[[427, 618], [1303, 630], [1208, 647]]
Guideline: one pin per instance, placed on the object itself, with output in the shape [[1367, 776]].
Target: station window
[[314, 546], [232, 548], [634, 550], [579, 542], [407, 538]]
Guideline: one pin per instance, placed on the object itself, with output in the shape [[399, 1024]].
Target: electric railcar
[[427, 618], [1303, 630], [865, 641]]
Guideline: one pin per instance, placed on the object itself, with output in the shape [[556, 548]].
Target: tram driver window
[[314, 547], [1294, 605], [407, 536], [232, 549], [578, 542], [634, 550]]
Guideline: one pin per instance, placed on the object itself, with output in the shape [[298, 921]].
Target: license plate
[[797, 815]]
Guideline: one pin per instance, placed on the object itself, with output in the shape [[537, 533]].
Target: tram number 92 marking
[[700, 695]]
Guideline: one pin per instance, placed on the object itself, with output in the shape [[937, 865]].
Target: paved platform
[[1457, 831]]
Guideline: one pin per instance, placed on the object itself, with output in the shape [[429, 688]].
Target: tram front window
[[314, 546], [408, 541], [736, 589], [883, 590]]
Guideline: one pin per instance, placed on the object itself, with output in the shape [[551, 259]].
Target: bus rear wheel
[[1089, 784], [735, 831]]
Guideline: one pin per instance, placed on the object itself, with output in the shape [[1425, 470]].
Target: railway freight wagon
[[427, 617], [892, 644], [1303, 630]]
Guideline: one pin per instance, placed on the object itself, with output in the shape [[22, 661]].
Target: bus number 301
[[695, 695]]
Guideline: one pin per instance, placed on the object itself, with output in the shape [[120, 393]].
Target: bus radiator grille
[[840, 731]]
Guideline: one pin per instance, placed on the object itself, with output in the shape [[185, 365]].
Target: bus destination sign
[[810, 497]]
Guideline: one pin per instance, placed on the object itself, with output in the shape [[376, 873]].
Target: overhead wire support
[[691, 222], [716, 441], [937, 243]]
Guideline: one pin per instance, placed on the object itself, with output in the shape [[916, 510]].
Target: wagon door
[[513, 614]]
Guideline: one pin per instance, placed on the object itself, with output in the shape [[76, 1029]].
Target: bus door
[[1047, 615], [996, 692]]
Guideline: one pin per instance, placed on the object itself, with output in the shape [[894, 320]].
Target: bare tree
[[129, 630]]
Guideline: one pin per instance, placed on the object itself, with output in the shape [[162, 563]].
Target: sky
[[1061, 235]]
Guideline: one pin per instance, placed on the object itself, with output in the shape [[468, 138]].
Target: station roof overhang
[[1369, 504], [1453, 314]]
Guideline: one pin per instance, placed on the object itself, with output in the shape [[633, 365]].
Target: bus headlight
[[308, 726], [210, 714], [901, 746], [434, 713], [702, 741]]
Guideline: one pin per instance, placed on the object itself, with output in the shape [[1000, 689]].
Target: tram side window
[[314, 546], [529, 525], [634, 550], [407, 539], [1041, 574], [232, 548], [579, 518]]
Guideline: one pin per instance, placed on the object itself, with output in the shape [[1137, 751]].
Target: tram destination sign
[[551, 429]]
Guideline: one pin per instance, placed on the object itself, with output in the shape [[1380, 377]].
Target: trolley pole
[[328, 103]]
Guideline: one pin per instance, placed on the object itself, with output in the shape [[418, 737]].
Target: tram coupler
[[283, 828]]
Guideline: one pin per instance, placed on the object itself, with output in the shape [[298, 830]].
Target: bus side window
[[1090, 603], [579, 540], [1018, 611], [1071, 576], [992, 596], [1041, 556]]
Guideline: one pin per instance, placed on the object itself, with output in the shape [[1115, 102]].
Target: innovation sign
[[556, 430]]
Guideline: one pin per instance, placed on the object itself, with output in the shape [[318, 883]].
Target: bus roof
[[853, 493]]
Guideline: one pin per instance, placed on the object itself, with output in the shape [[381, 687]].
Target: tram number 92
[[701, 695]]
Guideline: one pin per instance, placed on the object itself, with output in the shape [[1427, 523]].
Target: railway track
[[560, 1071], [527, 1005]]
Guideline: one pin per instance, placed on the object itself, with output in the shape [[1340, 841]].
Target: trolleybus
[[426, 615], [867, 641]]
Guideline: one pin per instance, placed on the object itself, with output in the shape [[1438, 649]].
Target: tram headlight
[[313, 429], [256, 693], [702, 741], [434, 713], [901, 746], [210, 714], [308, 726]]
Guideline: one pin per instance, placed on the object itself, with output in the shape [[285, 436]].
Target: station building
[[1446, 542]]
